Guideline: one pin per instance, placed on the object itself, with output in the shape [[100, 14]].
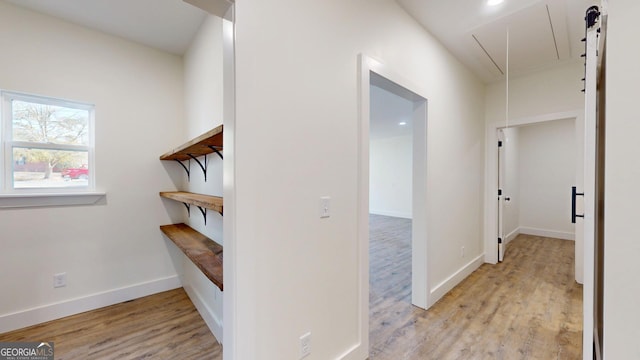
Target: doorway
[[537, 167], [492, 172], [379, 77], [390, 203]]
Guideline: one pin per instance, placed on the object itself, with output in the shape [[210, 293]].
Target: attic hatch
[[538, 38]]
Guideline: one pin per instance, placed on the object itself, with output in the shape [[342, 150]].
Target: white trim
[[491, 171], [235, 344], [564, 235], [449, 283], [40, 314], [47, 146], [512, 235], [361, 348], [352, 354], [397, 214], [54, 199], [209, 316]]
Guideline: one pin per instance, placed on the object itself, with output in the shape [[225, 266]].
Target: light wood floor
[[528, 307], [161, 326]]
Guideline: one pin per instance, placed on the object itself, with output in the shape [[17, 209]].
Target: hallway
[[528, 307]]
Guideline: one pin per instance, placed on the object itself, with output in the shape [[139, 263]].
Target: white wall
[[622, 175], [203, 110], [511, 185], [391, 176], [551, 91], [113, 251], [547, 170], [296, 140]]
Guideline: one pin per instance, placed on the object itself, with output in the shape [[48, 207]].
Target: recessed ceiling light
[[401, 123], [494, 2]]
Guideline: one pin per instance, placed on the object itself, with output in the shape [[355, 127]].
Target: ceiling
[[171, 28], [542, 33], [387, 112]]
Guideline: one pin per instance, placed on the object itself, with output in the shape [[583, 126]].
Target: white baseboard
[[40, 314], [444, 287], [208, 315], [391, 213], [548, 233], [512, 235], [356, 352]]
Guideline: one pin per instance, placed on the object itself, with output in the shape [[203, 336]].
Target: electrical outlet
[[60, 280], [305, 345], [462, 252]]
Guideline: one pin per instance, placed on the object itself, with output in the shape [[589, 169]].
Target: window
[[47, 145]]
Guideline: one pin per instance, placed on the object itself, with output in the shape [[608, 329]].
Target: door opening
[[397, 157], [390, 199], [537, 164], [394, 169]]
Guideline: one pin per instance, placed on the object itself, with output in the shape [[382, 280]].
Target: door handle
[[574, 194]]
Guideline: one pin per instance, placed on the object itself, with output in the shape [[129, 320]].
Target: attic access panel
[[538, 37]]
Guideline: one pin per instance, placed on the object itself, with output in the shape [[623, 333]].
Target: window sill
[[52, 199]]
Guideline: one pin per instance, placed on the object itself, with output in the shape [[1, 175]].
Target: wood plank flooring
[[528, 307], [160, 326]]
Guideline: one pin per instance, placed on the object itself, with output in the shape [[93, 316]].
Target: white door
[[501, 195]]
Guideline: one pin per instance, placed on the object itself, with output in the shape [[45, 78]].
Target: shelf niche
[[204, 252]]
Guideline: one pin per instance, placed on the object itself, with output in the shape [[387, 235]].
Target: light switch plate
[[325, 207]]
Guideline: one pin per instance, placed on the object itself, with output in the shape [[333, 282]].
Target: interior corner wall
[[112, 251], [296, 140], [203, 78], [203, 111], [622, 175], [391, 176], [547, 171], [511, 186]]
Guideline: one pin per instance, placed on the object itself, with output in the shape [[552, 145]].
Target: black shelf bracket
[[204, 213], [216, 149], [203, 167], [185, 168], [188, 208]]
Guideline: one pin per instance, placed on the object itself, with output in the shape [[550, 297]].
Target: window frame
[[7, 186]]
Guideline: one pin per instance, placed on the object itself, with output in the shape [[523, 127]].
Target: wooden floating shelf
[[204, 201], [204, 144], [205, 253]]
